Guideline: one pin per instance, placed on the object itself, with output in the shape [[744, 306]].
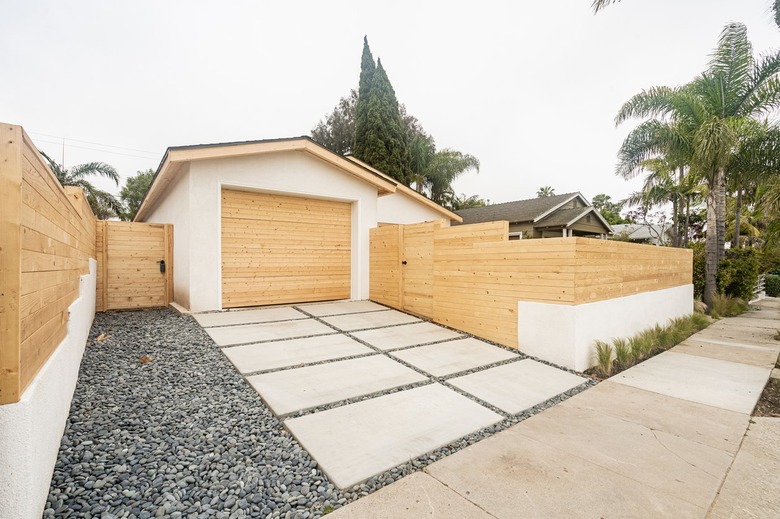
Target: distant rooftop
[[518, 211]]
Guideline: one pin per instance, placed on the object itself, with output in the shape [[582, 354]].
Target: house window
[[587, 218], [516, 235]]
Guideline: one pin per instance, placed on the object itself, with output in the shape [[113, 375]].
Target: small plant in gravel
[[629, 351], [624, 355], [604, 354]]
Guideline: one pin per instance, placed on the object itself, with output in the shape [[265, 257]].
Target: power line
[[98, 149], [94, 143]]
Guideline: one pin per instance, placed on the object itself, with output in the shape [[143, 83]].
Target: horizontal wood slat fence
[[48, 237], [471, 277]]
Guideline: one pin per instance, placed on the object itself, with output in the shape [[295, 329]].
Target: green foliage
[[772, 285], [738, 273], [624, 355], [458, 202], [132, 194], [627, 352], [337, 131], [545, 191], [367, 70], [727, 306], [608, 209], [604, 358], [104, 205]]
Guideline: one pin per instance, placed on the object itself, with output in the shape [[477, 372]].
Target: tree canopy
[[104, 205], [133, 192], [371, 124]]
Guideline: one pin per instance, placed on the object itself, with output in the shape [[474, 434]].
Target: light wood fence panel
[[48, 237], [129, 273], [385, 264], [478, 276]]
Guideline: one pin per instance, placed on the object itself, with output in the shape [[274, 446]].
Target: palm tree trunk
[[720, 212], [687, 220], [738, 217], [675, 222], [711, 250]]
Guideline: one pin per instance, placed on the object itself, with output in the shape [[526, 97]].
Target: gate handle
[[403, 262], [162, 266]]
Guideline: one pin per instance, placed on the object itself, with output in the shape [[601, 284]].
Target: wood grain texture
[[48, 238], [129, 255], [284, 249], [476, 276]]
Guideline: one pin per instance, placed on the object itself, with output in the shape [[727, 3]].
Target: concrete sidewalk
[[666, 438]]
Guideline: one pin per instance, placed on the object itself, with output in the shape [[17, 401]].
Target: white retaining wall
[[31, 429], [565, 334]]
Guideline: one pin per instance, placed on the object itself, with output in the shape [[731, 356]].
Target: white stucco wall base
[[31, 429], [565, 334]]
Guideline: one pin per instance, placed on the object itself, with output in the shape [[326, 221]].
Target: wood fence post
[[10, 262]]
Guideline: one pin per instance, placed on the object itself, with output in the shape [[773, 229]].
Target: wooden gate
[[135, 265]]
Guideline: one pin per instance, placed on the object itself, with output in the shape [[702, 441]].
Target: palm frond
[[95, 168], [598, 5]]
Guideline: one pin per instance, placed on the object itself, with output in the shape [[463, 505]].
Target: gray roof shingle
[[517, 211]]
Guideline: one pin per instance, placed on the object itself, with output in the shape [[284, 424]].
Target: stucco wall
[[31, 429], [565, 334], [174, 208], [401, 208], [292, 173]]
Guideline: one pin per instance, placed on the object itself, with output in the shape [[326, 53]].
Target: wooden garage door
[[283, 249]]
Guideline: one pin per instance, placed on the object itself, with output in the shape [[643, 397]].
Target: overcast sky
[[530, 88]]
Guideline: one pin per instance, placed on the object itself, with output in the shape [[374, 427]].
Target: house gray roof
[[517, 211], [563, 217]]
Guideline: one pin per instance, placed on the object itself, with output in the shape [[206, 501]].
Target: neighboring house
[[643, 233], [274, 221], [554, 216]]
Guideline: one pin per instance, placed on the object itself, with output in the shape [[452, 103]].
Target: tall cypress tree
[[386, 146], [367, 69]]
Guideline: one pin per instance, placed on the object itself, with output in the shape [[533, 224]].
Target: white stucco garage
[[274, 221]]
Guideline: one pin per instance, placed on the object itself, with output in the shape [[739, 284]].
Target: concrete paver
[[415, 496], [512, 476], [751, 487], [354, 442], [406, 335], [353, 322], [744, 334], [450, 357], [293, 352], [303, 388], [671, 464], [257, 315], [341, 307], [748, 319], [517, 386], [714, 382], [242, 334], [717, 428], [734, 352]]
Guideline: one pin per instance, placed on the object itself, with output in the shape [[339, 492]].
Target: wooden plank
[[11, 142]]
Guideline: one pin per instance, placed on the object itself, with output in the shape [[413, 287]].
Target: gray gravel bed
[[181, 436]]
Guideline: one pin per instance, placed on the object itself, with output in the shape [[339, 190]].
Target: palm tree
[[774, 6], [708, 117], [545, 191], [103, 204]]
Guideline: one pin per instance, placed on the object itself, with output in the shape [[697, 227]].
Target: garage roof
[[176, 156]]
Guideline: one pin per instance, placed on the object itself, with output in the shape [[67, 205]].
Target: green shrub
[[772, 285], [699, 322], [738, 273]]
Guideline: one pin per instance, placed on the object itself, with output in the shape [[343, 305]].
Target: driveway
[[366, 389]]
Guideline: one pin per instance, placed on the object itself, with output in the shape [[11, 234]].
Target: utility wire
[[98, 149], [94, 143]]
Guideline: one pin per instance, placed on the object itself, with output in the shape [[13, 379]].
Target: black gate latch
[[162, 266]]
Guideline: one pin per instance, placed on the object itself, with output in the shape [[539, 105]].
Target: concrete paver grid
[[340, 307], [357, 441], [256, 315], [517, 386], [247, 333], [293, 352], [352, 322], [446, 358], [303, 388], [406, 335]]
